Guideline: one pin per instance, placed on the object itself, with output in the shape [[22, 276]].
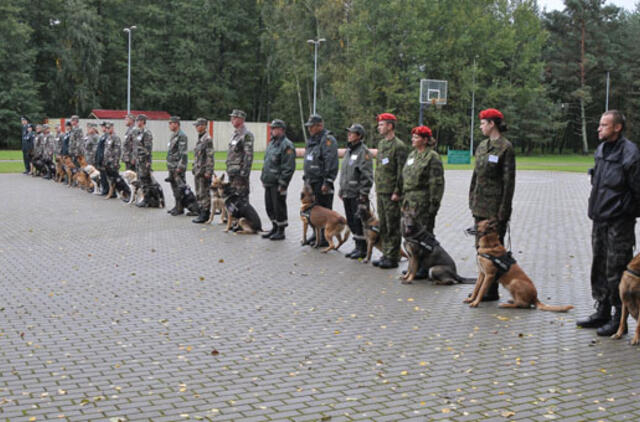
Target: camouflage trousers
[[417, 202], [241, 185], [390, 235], [143, 171], [612, 244], [203, 193], [177, 181]]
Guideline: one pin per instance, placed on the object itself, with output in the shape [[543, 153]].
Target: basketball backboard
[[433, 92]]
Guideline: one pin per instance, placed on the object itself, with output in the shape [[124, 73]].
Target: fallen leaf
[[214, 352], [508, 414]]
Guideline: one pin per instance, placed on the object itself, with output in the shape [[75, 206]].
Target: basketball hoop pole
[[473, 105]]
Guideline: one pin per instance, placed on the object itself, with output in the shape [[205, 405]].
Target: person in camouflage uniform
[[91, 143], [240, 155], [59, 138], [49, 147], [279, 165], [177, 163], [356, 179], [38, 151], [203, 170], [128, 146], [112, 152], [144, 148], [76, 140], [320, 166], [392, 154], [494, 179], [614, 205]]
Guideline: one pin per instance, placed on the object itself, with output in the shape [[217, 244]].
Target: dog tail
[[465, 280], [543, 307], [347, 232]]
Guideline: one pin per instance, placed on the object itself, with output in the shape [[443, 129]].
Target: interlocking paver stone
[[111, 311]]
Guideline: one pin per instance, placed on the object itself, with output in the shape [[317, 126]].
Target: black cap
[[356, 128], [278, 123], [314, 119]]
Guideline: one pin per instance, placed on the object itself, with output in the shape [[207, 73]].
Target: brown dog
[[321, 218], [520, 286], [60, 171], [630, 295], [68, 168], [371, 228], [217, 203]]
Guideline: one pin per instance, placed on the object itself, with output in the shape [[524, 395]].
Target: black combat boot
[[171, 211], [177, 211], [322, 243], [203, 217], [600, 317], [349, 254], [360, 252], [492, 292], [387, 263], [274, 229], [279, 234], [194, 209], [611, 327]]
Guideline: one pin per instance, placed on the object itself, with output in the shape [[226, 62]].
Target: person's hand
[[324, 189], [395, 197], [282, 190], [207, 176]]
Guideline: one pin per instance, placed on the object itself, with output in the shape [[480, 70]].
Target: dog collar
[[633, 273]]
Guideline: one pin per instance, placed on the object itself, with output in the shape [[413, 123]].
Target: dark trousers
[[104, 181], [612, 243], [26, 157], [177, 181], [324, 200], [276, 205], [353, 220]]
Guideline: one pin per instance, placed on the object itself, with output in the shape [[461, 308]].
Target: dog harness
[[426, 241], [307, 213], [375, 229], [503, 263], [633, 273]]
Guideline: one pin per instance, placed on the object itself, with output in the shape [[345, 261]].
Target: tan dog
[[321, 218], [630, 295], [82, 180], [520, 286], [217, 203], [60, 172], [371, 228], [68, 168]]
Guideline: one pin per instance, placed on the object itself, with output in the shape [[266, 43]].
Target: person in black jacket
[[27, 144], [614, 204]]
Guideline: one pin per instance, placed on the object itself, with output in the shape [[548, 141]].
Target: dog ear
[[222, 177]]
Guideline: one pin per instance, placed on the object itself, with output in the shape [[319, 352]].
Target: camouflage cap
[[103, 123], [75, 117], [38, 125], [356, 128], [45, 126], [174, 119], [314, 119], [238, 113], [141, 117], [200, 121], [278, 123], [107, 123], [92, 124], [130, 116]]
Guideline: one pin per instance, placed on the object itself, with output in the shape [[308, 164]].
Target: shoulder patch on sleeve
[[367, 157], [328, 142], [289, 151]]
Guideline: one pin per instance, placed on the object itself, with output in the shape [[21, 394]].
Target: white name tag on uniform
[[410, 161], [354, 156], [309, 157], [385, 161], [493, 158]]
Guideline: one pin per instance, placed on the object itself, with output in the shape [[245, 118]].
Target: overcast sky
[[559, 4]]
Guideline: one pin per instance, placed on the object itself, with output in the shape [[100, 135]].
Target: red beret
[[386, 116], [491, 113], [422, 131]]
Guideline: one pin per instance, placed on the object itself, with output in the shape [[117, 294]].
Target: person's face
[[237, 122], [38, 129], [200, 128], [140, 124], [29, 129], [384, 127], [24, 122], [105, 129], [173, 126], [277, 132], [353, 137], [418, 141], [313, 129], [74, 123], [486, 126], [129, 121], [607, 131]]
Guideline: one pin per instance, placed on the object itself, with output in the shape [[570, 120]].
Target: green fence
[[458, 156]]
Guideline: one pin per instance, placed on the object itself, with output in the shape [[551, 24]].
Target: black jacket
[[321, 159], [615, 182]]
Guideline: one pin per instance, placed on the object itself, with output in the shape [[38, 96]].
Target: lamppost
[[473, 106], [129, 30], [315, 43]]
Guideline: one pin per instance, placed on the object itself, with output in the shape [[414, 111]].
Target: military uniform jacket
[[49, 146], [65, 143], [279, 163], [90, 146], [240, 155], [493, 180], [203, 155], [321, 159], [59, 143], [112, 152], [423, 180], [356, 173], [615, 182], [143, 146], [38, 145], [177, 152], [390, 160], [75, 142], [128, 150]]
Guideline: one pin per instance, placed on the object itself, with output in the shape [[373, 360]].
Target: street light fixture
[[129, 30], [315, 43]]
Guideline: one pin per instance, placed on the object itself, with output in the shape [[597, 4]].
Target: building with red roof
[[120, 114]]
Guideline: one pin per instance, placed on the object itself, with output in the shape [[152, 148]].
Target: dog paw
[[616, 336], [405, 281], [474, 304], [467, 300]]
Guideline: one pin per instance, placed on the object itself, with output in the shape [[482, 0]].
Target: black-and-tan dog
[[241, 210], [371, 228], [425, 252], [217, 203], [630, 296], [118, 187]]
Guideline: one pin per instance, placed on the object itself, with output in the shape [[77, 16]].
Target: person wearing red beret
[[392, 153], [494, 178]]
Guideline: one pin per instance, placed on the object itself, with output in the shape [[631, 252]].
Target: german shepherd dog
[[371, 227], [241, 210], [60, 170], [520, 286], [630, 295], [320, 218], [425, 251], [118, 187], [217, 203]]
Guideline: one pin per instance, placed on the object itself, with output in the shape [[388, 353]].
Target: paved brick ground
[[110, 312]]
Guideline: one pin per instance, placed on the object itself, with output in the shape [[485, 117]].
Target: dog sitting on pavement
[[371, 228], [321, 218], [495, 264], [425, 252], [629, 289], [240, 210], [131, 179], [217, 203]]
